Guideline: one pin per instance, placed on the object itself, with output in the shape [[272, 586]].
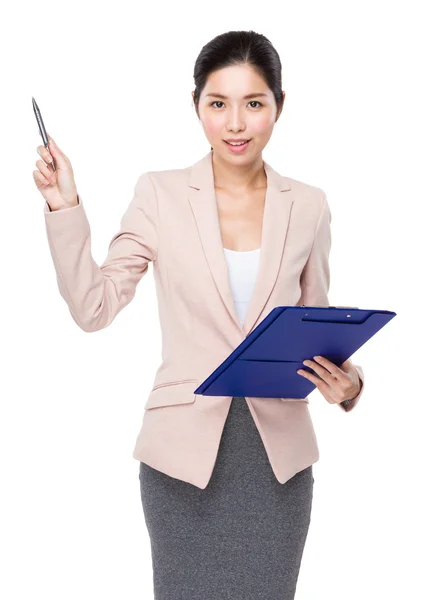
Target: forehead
[[235, 81]]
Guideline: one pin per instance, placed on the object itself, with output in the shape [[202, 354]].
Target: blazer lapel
[[277, 211]]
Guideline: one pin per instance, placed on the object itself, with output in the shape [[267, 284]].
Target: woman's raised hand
[[57, 187]]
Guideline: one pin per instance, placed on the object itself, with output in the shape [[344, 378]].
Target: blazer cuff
[[48, 209]]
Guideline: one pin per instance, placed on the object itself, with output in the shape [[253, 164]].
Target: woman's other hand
[[336, 384]]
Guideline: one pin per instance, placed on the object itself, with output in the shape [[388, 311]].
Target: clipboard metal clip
[[324, 306]]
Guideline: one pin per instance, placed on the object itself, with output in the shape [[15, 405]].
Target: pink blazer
[[172, 220]]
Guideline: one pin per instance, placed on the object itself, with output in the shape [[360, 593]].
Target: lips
[[237, 148]]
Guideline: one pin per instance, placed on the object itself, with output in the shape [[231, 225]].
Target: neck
[[246, 177]]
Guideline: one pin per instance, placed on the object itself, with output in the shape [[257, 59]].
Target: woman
[[226, 483]]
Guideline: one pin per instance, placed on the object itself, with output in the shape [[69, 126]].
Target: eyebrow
[[245, 97]]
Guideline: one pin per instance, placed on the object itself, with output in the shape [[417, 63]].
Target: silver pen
[[42, 130]]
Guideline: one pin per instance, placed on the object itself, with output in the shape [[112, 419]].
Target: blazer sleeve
[[315, 280], [96, 294]]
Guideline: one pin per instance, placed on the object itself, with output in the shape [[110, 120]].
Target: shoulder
[[310, 200], [303, 189], [165, 188], [166, 178]]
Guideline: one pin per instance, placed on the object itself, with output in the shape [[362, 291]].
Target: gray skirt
[[240, 538]]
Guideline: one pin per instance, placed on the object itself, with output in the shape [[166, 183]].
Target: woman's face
[[236, 103]]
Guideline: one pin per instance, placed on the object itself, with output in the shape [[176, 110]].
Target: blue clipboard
[[265, 364]]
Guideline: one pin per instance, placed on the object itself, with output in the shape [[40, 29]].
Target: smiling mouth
[[237, 143]]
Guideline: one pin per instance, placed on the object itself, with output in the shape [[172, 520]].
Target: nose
[[235, 121]]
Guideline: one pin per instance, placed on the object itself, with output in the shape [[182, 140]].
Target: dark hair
[[235, 48]]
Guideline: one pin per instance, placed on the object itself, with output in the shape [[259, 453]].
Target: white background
[[113, 83]]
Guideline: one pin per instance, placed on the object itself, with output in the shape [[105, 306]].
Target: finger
[[325, 389], [323, 375], [316, 380], [46, 171], [321, 371], [59, 157], [313, 378], [44, 153], [39, 179], [51, 141], [329, 366]]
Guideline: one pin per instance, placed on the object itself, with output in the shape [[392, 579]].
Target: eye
[[221, 102]]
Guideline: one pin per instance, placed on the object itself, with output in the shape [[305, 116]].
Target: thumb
[[53, 144], [56, 152]]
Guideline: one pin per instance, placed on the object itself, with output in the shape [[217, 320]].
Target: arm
[[315, 280], [96, 294]]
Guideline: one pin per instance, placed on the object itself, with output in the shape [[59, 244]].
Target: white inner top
[[243, 267]]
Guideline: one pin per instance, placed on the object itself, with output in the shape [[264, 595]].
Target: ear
[[280, 110], [195, 107]]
